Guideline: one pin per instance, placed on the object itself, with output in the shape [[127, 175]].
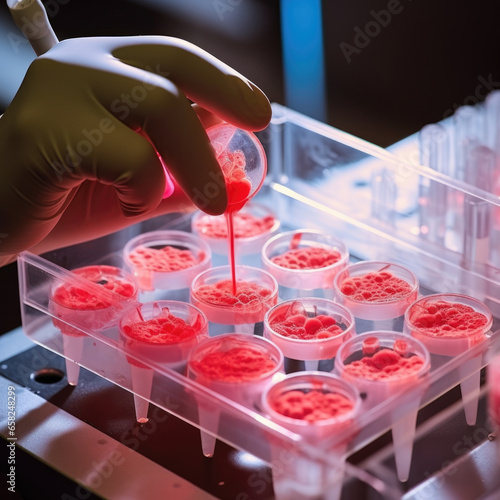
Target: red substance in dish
[[163, 329], [238, 185], [239, 364], [307, 258], [385, 364], [293, 323], [221, 294], [166, 259], [245, 225], [447, 319], [75, 297], [70, 302], [375, 287], [311, 406]]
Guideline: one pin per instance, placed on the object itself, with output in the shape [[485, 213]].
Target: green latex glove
[[81, 142]]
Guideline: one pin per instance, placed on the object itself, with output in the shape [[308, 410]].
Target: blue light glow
[[303, 58]]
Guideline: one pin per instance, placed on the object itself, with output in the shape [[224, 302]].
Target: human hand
[[81, 142]]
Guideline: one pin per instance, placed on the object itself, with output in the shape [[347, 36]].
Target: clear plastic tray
[[319, 178]]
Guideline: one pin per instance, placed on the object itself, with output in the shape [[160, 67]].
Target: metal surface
[[77, 450], [96, 462]]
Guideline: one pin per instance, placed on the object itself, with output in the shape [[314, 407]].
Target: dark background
[[430, 58]]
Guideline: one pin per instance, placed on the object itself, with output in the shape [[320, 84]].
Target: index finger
[[202, 77]]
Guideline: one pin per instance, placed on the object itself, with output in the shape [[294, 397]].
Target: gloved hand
[[81, 142]]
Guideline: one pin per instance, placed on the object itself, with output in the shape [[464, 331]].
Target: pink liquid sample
[[70, 300], [307, 258], [375, 287], [447, 320], [311, 406], [245, 225], [166, 259], [293, 322], [238, 364], [384, 365]]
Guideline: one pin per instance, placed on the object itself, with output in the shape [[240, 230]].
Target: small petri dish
[[166, 260], [304, 259]]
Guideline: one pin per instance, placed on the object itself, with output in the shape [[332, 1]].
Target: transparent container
[[95, 302], [316, 281], [241, 309], [165, 263], [237, 366], [378, 375], [303, 478], [309, 329], [377, 293], [163, 332], [323, 179], [238, 150], [453, 337]]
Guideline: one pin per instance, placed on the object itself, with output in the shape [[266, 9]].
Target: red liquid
[[293, 323], [166, 259], [307, 258], [312, 406], [238, 185], [245, 225], [385, 365], [239, 364], [232, 257], [238, 188], [447, 319], [375, 287]]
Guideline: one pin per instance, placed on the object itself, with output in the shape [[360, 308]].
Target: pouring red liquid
[[244, 166]]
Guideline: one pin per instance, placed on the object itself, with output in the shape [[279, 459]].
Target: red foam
[[293, 322], [312, 406], [166, 259], [221, 293], [447, 319], [307, 258], [385, 364], [246, 225], [239, 364], [375, 287]]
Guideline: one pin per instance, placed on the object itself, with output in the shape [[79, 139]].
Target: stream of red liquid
[[238, 190], [230, 238]]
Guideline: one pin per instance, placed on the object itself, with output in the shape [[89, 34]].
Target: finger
[[202, 78], [165, 115], [130, 163], [206, 118]]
